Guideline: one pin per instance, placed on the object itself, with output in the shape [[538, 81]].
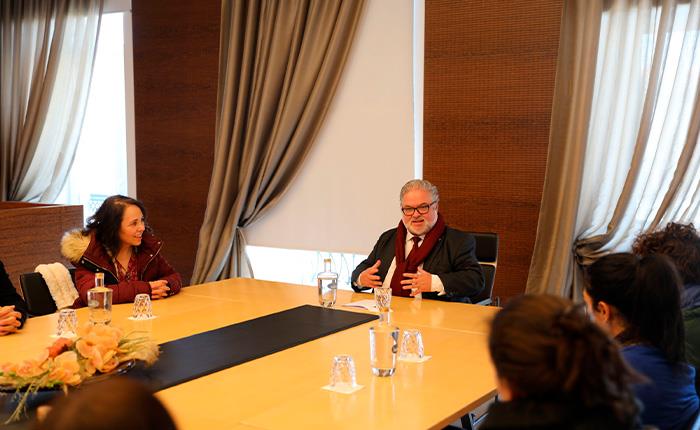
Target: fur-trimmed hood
[[76, 244], [73, 244]]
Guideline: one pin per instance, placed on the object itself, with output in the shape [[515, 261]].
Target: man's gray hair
[[419, 184]]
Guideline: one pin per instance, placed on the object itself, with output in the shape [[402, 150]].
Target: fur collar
[[73, 244]]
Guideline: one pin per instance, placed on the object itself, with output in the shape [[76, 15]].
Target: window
[[300, 267], [636, 104], [335, 203], [100, 166]]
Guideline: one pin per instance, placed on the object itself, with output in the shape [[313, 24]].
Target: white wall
[[347, 192]]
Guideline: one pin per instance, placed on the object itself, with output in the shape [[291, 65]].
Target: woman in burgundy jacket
[[118, 242]]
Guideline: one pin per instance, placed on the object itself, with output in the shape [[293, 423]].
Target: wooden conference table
[[283, 390]]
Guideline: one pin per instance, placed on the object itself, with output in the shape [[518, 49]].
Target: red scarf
[[415, 257]]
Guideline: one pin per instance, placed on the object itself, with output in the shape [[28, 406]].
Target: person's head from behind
[[680, 242], [117, 403], [546, 348], [419, 206], [638, 301], [120, 221]]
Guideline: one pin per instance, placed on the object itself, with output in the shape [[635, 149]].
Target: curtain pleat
[[48, 50], [279, 65], [622, 156]]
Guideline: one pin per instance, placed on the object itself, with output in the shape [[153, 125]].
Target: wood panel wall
[[30, 234], [176, 48], [489, 81]]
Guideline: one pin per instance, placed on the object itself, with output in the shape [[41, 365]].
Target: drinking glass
[[142, 307], [67, 323], [411, 345], [343, 373], [382, 298], [383, 345]]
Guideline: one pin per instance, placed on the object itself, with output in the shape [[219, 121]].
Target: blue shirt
[[669, 399]]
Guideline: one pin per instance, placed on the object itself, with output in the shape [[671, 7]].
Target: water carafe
[[327, 285], [100, 301]]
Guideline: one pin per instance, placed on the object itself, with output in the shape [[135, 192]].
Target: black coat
[[452, 259], [9, 296]]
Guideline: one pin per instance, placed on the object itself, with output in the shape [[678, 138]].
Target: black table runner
[[195, 356]]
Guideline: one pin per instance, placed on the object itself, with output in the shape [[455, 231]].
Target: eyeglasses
[[422, 209]]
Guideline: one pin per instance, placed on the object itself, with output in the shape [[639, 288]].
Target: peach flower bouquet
[[97, 349]]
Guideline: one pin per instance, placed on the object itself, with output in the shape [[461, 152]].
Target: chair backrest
[[487, 255], [486, 247], [37, 295]]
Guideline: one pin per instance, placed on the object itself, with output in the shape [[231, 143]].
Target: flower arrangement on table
[[97, 349]]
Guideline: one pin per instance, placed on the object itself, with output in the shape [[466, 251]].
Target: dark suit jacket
[[9, 296], [452, 259]]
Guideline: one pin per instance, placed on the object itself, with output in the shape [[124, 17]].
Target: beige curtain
[[279, 64], [622, 153], [48, 50]]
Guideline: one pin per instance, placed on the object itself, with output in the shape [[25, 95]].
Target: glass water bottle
[[100, 301], [327, 285]]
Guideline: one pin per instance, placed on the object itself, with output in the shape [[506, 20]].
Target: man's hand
[[159, 289], [369, 277], [9, 320], [419, 282]]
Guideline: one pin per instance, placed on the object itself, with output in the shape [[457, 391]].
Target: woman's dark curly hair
[[547, 348], [680, 242], [107, 221]]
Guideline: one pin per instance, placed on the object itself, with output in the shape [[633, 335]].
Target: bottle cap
[[326, 260], [99, 275]]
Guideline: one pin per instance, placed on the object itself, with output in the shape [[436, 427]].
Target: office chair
[[37, 295], [487, 255]]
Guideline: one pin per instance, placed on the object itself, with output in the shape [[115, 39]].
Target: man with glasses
[[422, 256]]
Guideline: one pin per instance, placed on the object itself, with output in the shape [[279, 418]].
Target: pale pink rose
[[99, 344], [8, 367], [109, 365], [90, 352], [105, 333], [109, 355], [88, 368], [106, 344], [104, 338], [66, 369], [85, 348], [30, 369], [109, 361], [43, 355]]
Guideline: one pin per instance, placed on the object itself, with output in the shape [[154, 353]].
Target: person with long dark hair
[[638, 301], [681, 243], [557, 369], [119, 243]]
